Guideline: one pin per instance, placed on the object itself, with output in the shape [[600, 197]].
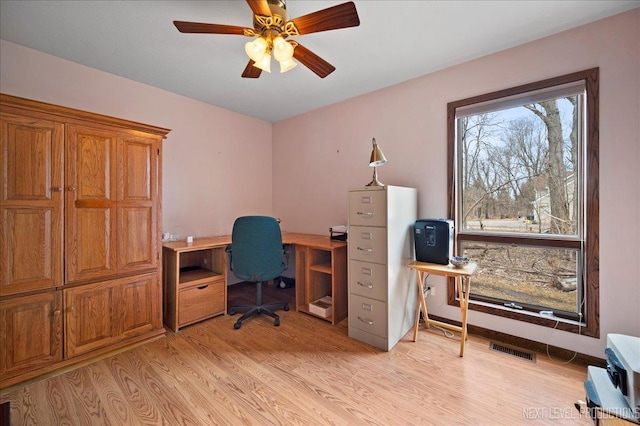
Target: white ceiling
[[396, 41]]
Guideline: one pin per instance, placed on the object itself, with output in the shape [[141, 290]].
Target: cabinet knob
[[56, 313], [71, 188], [57, 189]]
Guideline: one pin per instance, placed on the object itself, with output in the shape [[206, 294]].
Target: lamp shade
[[256, 49], [287, 65], [377, 157], [282, 50], [264, 64]]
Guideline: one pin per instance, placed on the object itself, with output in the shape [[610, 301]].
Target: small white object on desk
[[189, 238]]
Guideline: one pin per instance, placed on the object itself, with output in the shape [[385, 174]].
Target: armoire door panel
[[94, 254], [91, 204], [30, 332], [90, 321], [138, 171], [137, 203], [94, 158], [27, 244], [136, 248], [31, 204], [29, 152], [141, 305]]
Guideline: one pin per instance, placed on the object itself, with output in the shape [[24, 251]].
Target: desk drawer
[[368, 244], [368, 279], [368, 315], [368, 208], [201, 302]]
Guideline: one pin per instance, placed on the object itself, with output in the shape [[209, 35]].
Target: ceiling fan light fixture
[[256, 49], [287, 65]]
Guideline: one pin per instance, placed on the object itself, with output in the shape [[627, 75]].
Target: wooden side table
[[461, 276]]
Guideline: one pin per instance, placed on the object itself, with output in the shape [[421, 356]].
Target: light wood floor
[[305, 372]]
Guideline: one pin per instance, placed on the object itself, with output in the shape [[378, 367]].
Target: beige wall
[[214, 167], [319, 155]]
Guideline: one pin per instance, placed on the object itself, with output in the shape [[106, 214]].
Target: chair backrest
[[256, 248]]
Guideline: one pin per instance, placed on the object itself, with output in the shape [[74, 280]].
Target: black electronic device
[[433, 240]]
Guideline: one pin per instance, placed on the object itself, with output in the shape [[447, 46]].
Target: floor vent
[[512, 351]]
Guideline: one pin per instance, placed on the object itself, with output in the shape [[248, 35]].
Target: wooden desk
[[461, 275], [195, 276]]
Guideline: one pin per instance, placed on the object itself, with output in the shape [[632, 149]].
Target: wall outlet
[[431, 291]]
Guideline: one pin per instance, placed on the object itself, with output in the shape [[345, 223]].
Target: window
[[523, 190]]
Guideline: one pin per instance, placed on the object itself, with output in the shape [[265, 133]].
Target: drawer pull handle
[[366, 321], [368, 250], [368, 214], [366, 200], [365, 285], [367, 271], [202, 287]]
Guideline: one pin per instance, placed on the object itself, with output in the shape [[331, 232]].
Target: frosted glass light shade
[[264, 64], [287, 65], [256, 49], [282, 50]]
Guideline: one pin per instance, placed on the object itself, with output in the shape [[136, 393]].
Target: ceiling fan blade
[[312, 61], [198, 27], [250, 71], [259, 7], [341, 16]]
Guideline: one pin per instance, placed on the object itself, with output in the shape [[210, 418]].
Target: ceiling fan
[[272, 27]]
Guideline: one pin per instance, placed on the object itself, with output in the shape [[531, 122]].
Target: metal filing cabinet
[[382, 296]]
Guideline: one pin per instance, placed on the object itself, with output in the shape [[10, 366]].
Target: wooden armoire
[[80, 237]]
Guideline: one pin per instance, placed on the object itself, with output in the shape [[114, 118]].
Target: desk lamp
[[377, 159]]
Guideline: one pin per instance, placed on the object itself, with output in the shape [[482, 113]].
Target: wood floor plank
[[304, 372]]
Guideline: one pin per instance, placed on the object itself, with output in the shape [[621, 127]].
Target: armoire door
[[91, 180], [31, 204], [30, 332], [91, 315], [137, 203], [100, 314]]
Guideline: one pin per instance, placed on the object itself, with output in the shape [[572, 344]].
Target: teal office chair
[[256, 255]]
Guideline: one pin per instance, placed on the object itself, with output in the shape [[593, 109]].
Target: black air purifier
[[434, 240]]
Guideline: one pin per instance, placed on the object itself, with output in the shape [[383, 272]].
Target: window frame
[[590, 325]]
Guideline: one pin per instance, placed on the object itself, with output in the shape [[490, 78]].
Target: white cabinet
[[382, 296]]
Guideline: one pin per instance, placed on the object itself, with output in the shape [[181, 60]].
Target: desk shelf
[[324, 268], [193, 276], [321, 270]]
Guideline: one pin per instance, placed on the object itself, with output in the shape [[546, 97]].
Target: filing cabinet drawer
[[368, 279], [368, 208], [368, 244], [201, 301], [368, 315]]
